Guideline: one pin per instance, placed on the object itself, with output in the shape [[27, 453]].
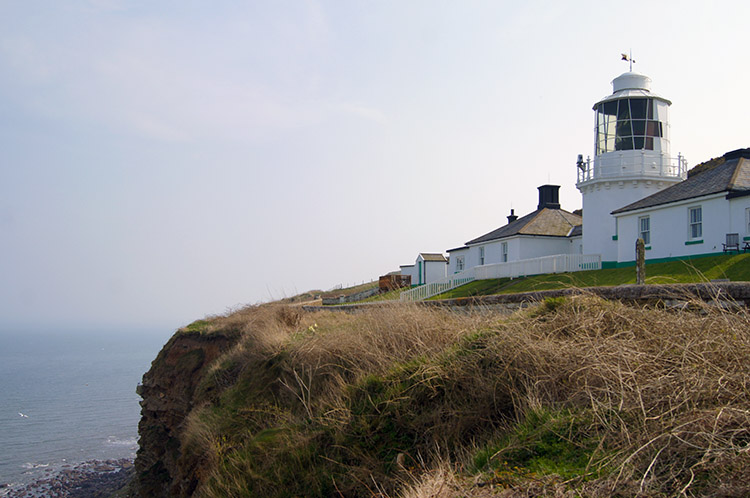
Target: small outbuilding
[[428, 268]]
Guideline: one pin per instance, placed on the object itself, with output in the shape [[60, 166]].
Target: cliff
[[573, 396], [168, 392]]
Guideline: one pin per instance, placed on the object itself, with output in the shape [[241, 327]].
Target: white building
[[631, 160], [428, 268], [547, 231], [692, 217], [632, 188]]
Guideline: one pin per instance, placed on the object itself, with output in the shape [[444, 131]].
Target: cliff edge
[[573, 396], [168, 390]]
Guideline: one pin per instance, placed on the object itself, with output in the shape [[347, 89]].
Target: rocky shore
[[94, 479]]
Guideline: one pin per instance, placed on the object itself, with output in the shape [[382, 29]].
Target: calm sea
[[69, 397]]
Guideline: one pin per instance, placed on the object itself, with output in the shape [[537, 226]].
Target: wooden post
[[640, 262]]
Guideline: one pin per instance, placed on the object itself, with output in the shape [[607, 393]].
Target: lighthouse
[[631, 159]]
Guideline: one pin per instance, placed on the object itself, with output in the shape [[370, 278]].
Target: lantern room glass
[[631, 124]]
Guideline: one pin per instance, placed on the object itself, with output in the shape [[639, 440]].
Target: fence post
[[640, 262]]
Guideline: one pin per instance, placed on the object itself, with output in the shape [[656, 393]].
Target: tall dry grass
[[667, 392], [663, 393]]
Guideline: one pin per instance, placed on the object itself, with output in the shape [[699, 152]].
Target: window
[[644, 229], [481, 255], [695, 223], [504, 250], [747, 220], [459, 263]]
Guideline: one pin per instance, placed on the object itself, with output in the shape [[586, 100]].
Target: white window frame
[[460, 263], [481, 255], [645, 234], [747, 220], [504, 252], [698, 225]]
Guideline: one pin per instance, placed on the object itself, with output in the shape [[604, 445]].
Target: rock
[[168, 390]]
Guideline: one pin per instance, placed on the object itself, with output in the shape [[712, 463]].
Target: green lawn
[[733, 267]]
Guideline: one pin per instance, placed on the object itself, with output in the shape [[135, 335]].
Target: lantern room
[[632, 118], [631, 135]]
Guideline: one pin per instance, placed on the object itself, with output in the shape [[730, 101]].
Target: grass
[[478, 288], [733, 267], [575, 397], [391, 295], [347, 291], [544, 443]]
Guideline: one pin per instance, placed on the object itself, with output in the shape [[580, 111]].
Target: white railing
[[433, 289], [559, 263], [632, 163]]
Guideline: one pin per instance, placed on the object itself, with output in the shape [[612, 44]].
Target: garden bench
[[733, 242]]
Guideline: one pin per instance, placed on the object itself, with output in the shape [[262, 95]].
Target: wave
[[115, 441]]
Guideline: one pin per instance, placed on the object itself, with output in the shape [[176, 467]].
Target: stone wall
[[725, 293]]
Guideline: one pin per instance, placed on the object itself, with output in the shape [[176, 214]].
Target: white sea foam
[[32, 465], [115, 441]]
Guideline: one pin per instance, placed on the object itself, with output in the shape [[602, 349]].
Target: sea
[[68, 397]]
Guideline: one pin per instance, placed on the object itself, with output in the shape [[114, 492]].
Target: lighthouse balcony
[[631, 164]]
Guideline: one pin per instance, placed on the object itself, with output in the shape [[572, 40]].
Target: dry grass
[[650, 402]]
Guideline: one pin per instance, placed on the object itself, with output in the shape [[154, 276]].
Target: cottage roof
[[433, 257], [545, 221], [729, 173]]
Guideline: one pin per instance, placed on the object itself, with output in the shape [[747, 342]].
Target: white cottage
[[547, 231], [692, 217]]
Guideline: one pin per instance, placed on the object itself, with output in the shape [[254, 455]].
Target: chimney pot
[[512, 217]]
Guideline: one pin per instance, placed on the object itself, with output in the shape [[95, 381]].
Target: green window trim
[[693, 242], [745, 239], [648, 248], [614, 237]]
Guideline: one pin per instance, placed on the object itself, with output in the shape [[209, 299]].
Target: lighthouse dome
[[631, 81], [629, 85]]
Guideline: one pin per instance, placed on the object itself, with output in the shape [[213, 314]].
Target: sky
[[164, 161]]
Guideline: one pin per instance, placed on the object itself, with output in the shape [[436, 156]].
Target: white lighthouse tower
[[631, 159]]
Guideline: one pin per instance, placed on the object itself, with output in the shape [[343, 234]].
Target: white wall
[[536, 247], [603, 197], [434, 271], [519, 247], [410, 270], [575, 245], [670, 225], [738, 216], [454, 255]]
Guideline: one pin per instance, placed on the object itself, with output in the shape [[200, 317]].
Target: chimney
[[512, 217], [549, 197]]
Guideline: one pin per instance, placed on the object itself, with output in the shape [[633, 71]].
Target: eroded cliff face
[[168, 390]]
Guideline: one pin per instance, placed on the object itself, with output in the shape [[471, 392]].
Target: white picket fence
[[433, 289], [559, 263]]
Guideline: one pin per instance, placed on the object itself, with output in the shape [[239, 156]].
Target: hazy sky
[[164, 160]]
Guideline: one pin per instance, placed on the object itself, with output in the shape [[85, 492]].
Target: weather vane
[[630, 59]]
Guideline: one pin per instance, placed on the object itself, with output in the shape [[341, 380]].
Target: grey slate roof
[[732, 175], [545, 221]]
